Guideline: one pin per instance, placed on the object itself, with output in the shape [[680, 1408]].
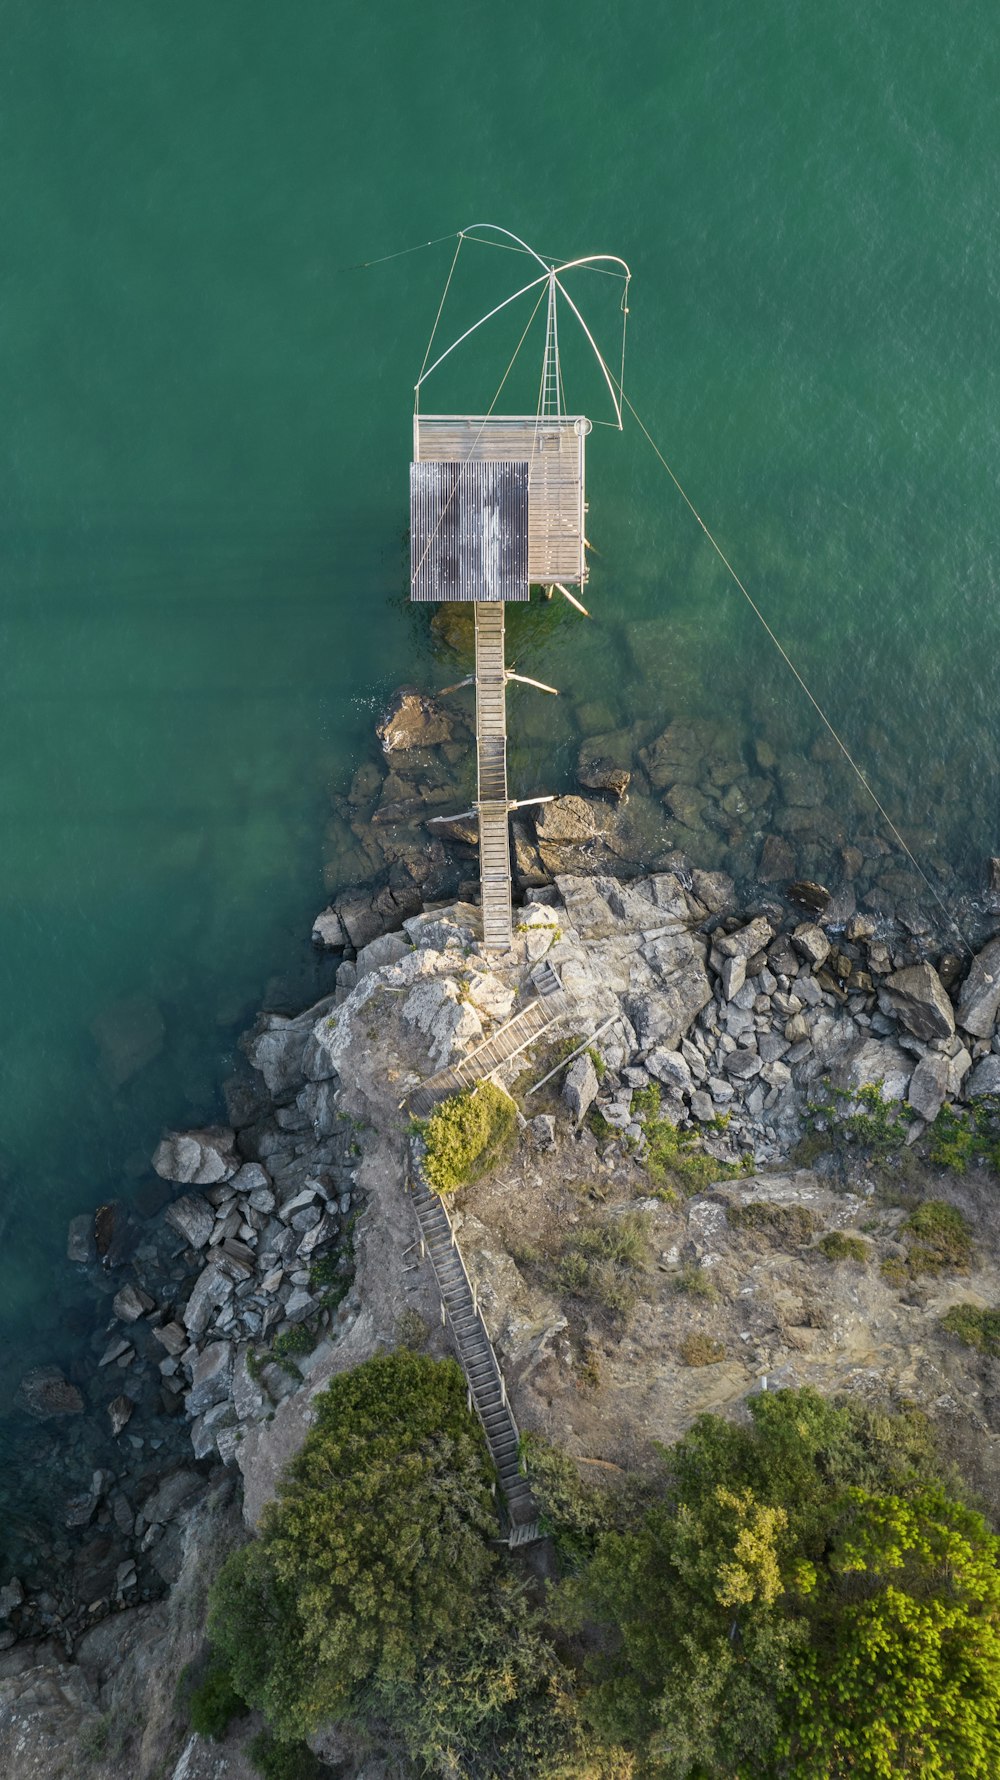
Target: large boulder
[[211, 1290], [210, 1378], [876, 1060], [572, 819], [984, 1079], [580, 1086], [450, 1025], [929, 1085], [412, 721], [979, 996], [197, 1158], [917, 997], [192, 1218]]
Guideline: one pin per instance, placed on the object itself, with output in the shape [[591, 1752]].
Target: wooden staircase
[[516, 1034], [487, 1391]]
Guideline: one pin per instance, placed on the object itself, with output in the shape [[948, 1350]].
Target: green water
[[205, 433]]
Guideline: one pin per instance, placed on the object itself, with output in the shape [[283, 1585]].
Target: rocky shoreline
[[278, 1247]]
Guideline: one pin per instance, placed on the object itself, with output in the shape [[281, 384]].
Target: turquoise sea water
[[205, 430]]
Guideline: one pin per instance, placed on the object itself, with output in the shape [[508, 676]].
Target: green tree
[[375, 1553], [799, 1603]]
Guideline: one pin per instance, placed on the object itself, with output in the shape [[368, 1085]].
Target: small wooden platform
[[552, 446]]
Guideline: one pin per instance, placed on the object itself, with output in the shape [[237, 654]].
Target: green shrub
[[214, 1703], [838, 1247], [674, 1159], [696, 1282], [875, 1125], [974, 1327], [284, 1761], [600, 1262], [701, 1350], [411, 1330], [374, 1554], [938, 1239], [961, 1140], [785, 1224], [468, 1135]]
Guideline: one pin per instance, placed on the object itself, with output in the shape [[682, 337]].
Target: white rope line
[[437, 318], [467, 460], [789, 663], [363, 265]]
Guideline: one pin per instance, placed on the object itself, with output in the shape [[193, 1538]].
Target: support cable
[[789, 663]]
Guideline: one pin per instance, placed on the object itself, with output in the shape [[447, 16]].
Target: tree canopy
[[373, 1556], [805, 1600]]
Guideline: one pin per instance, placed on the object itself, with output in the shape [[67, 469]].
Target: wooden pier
[[492, 800]]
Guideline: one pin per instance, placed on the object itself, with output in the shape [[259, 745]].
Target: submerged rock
[[412, 721], [45, 1392]]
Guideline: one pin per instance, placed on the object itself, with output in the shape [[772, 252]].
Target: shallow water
[[205, 435]]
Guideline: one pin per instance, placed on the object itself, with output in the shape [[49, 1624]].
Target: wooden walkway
[[492, 799], [516, 1034], [487, 1390]]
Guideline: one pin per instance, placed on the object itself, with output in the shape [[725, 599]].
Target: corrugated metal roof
[[469, 531]]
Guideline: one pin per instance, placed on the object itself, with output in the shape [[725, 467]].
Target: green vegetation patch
[[468, 1135], [214, 1702], [860, 1117], [966, 1139], [285, 1761], [938, 1237], [695, 1282], [786, 1225], [974, 1327], [701, 1350], [804, 1599], [675, 1159], [601, 1262], [837, 1246]]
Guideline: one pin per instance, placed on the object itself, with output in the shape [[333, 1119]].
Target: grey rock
[[985, 1078], [388, 948], [571, 819], [734, 975], [171, 1495], [580, 1087], [746, 940], [192, 1218], [11, 1596], [120, 1411], [130, 1303], [543, 1131], [771, 1047], [318, 1101], [116, 1349], [742, 1063], [328, 930], [872, 1060], [302, 1201], [197, 1158], [412, 721], [210, 1377], [251, 1178], [979, 996], [212, 1289], [929, 1086], [715, 889], [172, 1337], [702, 1107], [916, 995], [811, 942], [80, 1245], [958, 1068], [671, 1068], [277, 1050], [301, 1304]]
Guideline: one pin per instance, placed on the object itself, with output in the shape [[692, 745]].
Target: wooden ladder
[[491, 762]]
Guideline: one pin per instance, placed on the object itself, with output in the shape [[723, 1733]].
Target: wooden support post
[[444, 1315], [572, 599]]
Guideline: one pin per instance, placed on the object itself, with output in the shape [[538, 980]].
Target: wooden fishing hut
[[497, 505]]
